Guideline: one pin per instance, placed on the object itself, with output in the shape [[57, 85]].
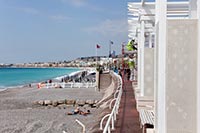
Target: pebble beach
[[19, 112]]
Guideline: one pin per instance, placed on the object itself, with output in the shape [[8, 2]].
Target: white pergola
[[148, 25]]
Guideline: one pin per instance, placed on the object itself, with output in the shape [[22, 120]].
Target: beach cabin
[[168, 60]]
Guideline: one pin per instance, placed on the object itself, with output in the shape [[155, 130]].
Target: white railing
[[82, 125], [68, 85], [113, 115]]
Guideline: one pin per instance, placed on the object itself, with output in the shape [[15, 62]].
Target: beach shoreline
[[19, 113], [79, 69]]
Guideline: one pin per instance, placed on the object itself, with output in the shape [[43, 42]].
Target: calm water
[[21, 76]]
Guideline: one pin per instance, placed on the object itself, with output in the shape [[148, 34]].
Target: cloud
[[59, 17], [109, 27], [34, 11], [77, 3], [29, 10], [82, 3]]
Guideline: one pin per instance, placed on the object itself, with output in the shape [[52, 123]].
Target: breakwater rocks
[[65, 102]]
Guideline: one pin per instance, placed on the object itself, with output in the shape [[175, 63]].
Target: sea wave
[[2, 87], [16, 77], [69, 75]]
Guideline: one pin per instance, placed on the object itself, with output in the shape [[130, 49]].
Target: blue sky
[[57, 30]]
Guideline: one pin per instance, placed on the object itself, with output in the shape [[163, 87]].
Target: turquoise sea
[[21, 76]]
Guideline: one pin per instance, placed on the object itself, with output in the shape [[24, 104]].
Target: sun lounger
[[144, 102], [149, 130], [146, 119]]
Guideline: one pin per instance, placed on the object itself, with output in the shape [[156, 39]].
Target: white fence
[[68, 85], [112, 116]]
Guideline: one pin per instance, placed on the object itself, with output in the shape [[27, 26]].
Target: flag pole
[[97, 47], [110, 56], [98, 70], [109, 49], [96, 55]]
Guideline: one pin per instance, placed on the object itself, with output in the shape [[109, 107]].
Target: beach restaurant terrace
[[168, 60]]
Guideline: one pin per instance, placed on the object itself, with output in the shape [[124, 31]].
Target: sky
[[58, 30]]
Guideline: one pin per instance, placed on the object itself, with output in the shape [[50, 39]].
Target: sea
[[10, 77]]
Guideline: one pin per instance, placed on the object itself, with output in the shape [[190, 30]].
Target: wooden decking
[[128, 119]]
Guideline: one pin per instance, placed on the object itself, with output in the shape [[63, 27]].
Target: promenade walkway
[[128, 119]]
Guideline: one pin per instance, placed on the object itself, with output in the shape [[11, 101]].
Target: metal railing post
[[101, 123], [113, 126], [114, 112], [80, 123], [110, 106]]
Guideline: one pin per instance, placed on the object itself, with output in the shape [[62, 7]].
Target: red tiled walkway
[[128, 119]]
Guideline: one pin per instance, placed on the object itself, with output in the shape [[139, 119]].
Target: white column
[[139, 64], [155, 79], [161, 7], [193, 9], [142, 57], [150, 40], [198, 69]]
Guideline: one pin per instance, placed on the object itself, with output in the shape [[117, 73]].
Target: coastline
[[18, 112], [3, 88]]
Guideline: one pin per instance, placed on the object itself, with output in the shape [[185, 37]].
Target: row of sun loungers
[[145, 107], [68, 85]]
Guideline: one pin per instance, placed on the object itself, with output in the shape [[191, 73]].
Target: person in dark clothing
[[78, 111], [128, 71]]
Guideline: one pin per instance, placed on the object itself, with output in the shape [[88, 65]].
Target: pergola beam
[[178, 3], [140, 11]]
